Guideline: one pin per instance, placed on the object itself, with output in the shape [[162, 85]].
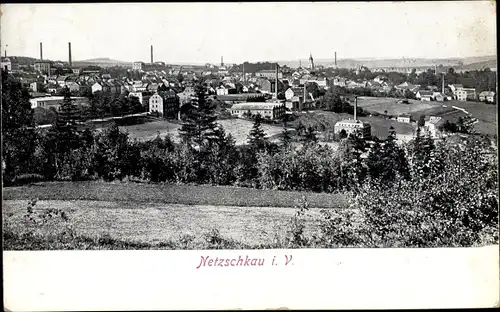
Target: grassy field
[[153, 223], [485, 113], [150, 130], [150, 214], [380, 104], [169, 194], [239, 128], [380, 125]]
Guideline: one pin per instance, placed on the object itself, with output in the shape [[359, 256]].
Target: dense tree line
[[105, 104], [334, 100], [206, 154]]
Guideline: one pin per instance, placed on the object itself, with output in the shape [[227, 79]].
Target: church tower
[[311, 65]]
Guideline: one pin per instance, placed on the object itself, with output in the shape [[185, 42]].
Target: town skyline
[[387, 30]]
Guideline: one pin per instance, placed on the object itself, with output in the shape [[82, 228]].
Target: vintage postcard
[[315, 155]]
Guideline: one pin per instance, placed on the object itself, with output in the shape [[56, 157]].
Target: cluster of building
[[163, 88], [353, 126], [9, 64]]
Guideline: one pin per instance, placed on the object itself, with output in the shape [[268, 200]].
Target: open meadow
[[155, 213], [380, 125], [239, 129], [154, 223], [486, 115], [150, 130], [381, 104]]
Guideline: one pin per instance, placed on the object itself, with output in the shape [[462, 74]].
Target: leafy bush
[[455, 203], [309, 168]]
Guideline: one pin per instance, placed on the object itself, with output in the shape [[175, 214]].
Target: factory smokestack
[[305, 93], [276, 81], [69, 51], [41, 52], [355, 106], [442, 86], [244, 80], [151, 54], [335, 58]]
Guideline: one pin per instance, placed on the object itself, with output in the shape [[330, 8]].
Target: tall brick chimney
[[69, 51], [41, 52], [355, 107], [244, 80], [151, 54], [276, 87], [442, 87]]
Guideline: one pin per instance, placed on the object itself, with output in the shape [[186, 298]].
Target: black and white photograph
[[249, 126], [139, 135]]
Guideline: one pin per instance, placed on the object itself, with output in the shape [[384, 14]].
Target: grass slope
[[152, 223], [169, 194], [380, 125], [239, 129], [381, 104]]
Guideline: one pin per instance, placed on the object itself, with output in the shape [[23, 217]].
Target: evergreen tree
[[422, 150], [374, 160], [92, 111], [342, 134], [354, 169], [16, 108], [124, 104], [286, 137], [310, 136], [257, 138], [135, 105], [69, 113], [421, 121], [199, 124], [393, 159], [18, 133], [222, 159]]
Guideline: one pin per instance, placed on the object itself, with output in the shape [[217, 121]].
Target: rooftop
[[350, 121], [55, 98], [487, 93], [256, 105], [425, 92]]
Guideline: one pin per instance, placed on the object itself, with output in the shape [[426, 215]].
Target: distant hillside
[[102, 62], [408, 62], [478, 65], [24, 60]]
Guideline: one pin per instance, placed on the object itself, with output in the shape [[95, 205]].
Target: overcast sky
[[202, 32]]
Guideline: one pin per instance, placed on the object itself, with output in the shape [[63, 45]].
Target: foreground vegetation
[[154, 223], [60, 229], [425, 193]]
